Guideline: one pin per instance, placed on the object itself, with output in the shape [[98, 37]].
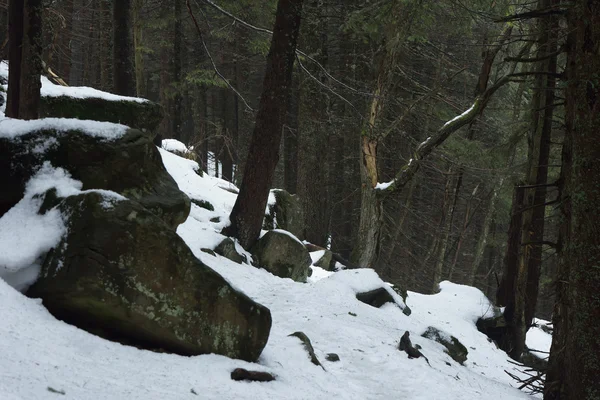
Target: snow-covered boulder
[[121, 273], [99, 154], [282, 254], [284, 211]]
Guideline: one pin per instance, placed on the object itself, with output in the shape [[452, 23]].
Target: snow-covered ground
[[43, 358]]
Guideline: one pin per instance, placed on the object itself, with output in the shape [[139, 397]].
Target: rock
[[308, 346], [376, 298], [204, 204], [400, 292], [130, 165], [454, 348], [326, 261], [285, 214], [141, 115], [122, 274], [494, 327], [208, 251], [283, 255], [227, 249], [241, 374], [332, 357]]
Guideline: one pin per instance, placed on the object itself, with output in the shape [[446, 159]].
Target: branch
[[189, 7], [299, 52], [433, 141], [539, 13]]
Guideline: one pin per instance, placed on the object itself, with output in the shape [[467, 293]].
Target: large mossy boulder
[[454, 348], [283, 255], [129, 165], [122, 274], [286, 213], [135, 113]]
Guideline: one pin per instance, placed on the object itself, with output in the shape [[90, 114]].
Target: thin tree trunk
[[16, 10], [138, 34], [123, 75], [31, 60], [248, 212]]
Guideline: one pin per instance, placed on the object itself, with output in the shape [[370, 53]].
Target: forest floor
[[44, 358]]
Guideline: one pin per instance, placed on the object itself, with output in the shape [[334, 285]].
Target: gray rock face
[[285, 214], [122, 274], [282, 255], [130, 166], [454, 348]]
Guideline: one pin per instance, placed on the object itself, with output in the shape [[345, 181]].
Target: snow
[[455, 119], [26, 235], [13, 128], [383, 186], [40, 352], [537, 339], [174, 145], [49, 89]]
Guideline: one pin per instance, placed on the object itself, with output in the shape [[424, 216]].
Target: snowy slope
[[40, 352]]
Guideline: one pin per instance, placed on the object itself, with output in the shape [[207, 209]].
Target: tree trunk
[[138, 33], [574, 365], [123, 75], [16, 10], [290, 140], [25, 62], [248, 212]]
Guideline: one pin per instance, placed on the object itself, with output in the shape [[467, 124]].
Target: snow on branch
[[426, 147]]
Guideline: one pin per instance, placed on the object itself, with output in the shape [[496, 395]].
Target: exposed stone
[[332, 357], [375, 298], [208, 251], [141, 115], [285, 214], [283, 255], [326, 261], [227, 249], [204, 204], [122, 274], [454, 348], [130, 165], [308, 347], [241, 374]]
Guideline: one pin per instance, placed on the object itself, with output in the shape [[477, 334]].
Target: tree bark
[[138, 33], [16, 10], [248, 212], [123, 75], [574, 365]]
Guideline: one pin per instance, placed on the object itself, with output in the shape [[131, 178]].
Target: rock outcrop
[[283, 255], [123, 274], [143, 115], [130, 165]]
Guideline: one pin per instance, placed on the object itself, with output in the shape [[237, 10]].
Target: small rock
[[240, 374], [208, 251], [375, 298], [332, 357], [204, 204], [227, 249], [308, 346]]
